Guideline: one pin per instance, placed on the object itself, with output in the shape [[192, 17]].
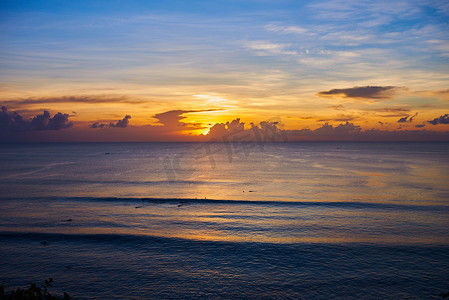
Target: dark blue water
[[302, 221]]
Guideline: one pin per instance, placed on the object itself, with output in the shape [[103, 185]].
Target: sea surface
[[226, 220]]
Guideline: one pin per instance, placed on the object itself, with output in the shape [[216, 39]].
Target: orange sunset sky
[[169, 71]]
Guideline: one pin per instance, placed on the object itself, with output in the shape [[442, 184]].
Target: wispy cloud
[[264, 48], [363, 12], [390, 109], [340, 118], [286, 29], [90, 99]]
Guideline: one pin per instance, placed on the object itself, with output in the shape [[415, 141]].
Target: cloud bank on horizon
[[171, 127], [180, 69]]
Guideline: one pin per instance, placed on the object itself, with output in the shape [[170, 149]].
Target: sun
[[203, 131]]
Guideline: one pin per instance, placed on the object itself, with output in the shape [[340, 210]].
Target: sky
[[204, 70]]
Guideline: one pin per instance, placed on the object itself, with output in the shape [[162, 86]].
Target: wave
[[128, 240], [196, 201], [171, 243], [55, 237]]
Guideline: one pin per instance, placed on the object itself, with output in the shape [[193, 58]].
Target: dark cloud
[[351, 132], [407, 119], [362, 92], [381, 123], [444, 119], [13, 122], [420, 125], [344, 131], [390, 109], [391, 116], [123, 123], [119, 124], [172, 119], [403, 119], [341, 129], [98, 125], [339, 118], [46, 122]]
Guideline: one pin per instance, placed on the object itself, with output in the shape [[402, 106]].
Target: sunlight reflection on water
[[364, 220]]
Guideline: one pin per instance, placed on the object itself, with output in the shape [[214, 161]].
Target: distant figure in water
[[107, 153], [44, 243], [68, 220]]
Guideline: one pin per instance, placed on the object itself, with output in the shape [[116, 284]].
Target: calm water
[[186, 220]]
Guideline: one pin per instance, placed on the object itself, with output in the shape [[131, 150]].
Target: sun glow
[[204, 131]]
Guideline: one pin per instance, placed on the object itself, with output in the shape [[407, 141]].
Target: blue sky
[[247, 59]]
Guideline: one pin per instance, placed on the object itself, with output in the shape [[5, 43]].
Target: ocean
[[340, 220]]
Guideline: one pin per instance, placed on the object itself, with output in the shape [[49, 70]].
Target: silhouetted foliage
[[34, 292]]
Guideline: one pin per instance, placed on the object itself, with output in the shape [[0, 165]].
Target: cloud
[[352, 132], [119, 124], [172, 119], [170, 127], [444, 119], [362, 92], [285, 29], [346, 131], [266, 131], [72, 99], [341, 129], [13, 122], [337, 107], [267, 48], [340, 118], [407, 119], [390, 109], [273, 131], [122, 123], [219, 130], [420, 125]]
